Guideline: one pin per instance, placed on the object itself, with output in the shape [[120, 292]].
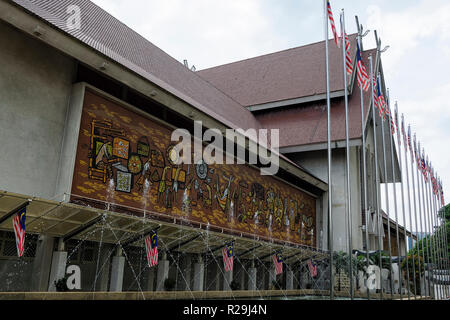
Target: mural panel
[[127, 159]]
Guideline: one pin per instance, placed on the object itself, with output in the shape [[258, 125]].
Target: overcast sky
[[209, 33]]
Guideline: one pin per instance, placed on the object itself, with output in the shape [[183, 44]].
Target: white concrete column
[[42, 264], [252, 277], [151, 279], [199, 274], [58, 267], [117, 269], [187, 263], [162, 273], [289, 280], [272, 276], [227, 279]]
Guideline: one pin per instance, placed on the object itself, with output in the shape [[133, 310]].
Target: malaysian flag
[[381, 101], [348, 57], [312, 268], [397, 124], [151, 247], [363, 78], [228, 254], [376, 99], [404, 133], [441, 193], [278, 262], [409, 138], [333, 26], [19, 230]]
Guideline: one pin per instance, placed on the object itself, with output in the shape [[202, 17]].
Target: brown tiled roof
[[118, 42], [289, 74], [307, 123]]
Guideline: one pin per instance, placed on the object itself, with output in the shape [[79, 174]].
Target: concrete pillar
[[289, 280], [272, 277], [42, 264], [58, 267], [227, 279], [105, 264], [162, 273], [151, 279], [252, 277], [199, 274], [187, 267], [243, 273], [117, 269]]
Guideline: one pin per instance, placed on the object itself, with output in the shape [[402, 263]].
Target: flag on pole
[[151, 248], [404, 133], [381, 100], [397, 124], [228, 254], [333, 26], [348, 57], [409, 138], [19, 230], [363, 78], [278, 262], [312, 268]]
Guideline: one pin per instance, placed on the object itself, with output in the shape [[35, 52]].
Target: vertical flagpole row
[[387, 205], [436, 242], [421, 214], [330, 221], [364, 160], [409, 211], [377, 178], [427, 228], [430, 240], [347, 146], [415, 214], [391, 143], [403, 203], [439, 238]]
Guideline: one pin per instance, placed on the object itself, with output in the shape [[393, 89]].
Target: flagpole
[[415, 210], [433, 234], [422, 213], [363, 148], [347, 143], [387, 203], [439, 235], [330, 222], [430, 241], [409, 209], [436, 248], [447, 268], [443, 244], [403, 199], [391, 143], [427, 227], [377, 178]]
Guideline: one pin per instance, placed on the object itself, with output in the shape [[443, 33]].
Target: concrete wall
[[317, 163], [35, 86]]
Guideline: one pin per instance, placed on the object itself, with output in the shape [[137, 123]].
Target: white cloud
[[207, 33]]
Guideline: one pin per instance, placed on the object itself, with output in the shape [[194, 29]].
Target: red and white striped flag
[[278, 262], [348, 58], [363, 78], [19, 230], [228, 254], [312, 268], [151, 248], [333, 26]]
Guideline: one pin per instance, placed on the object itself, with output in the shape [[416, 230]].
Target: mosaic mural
[[121, 149]]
